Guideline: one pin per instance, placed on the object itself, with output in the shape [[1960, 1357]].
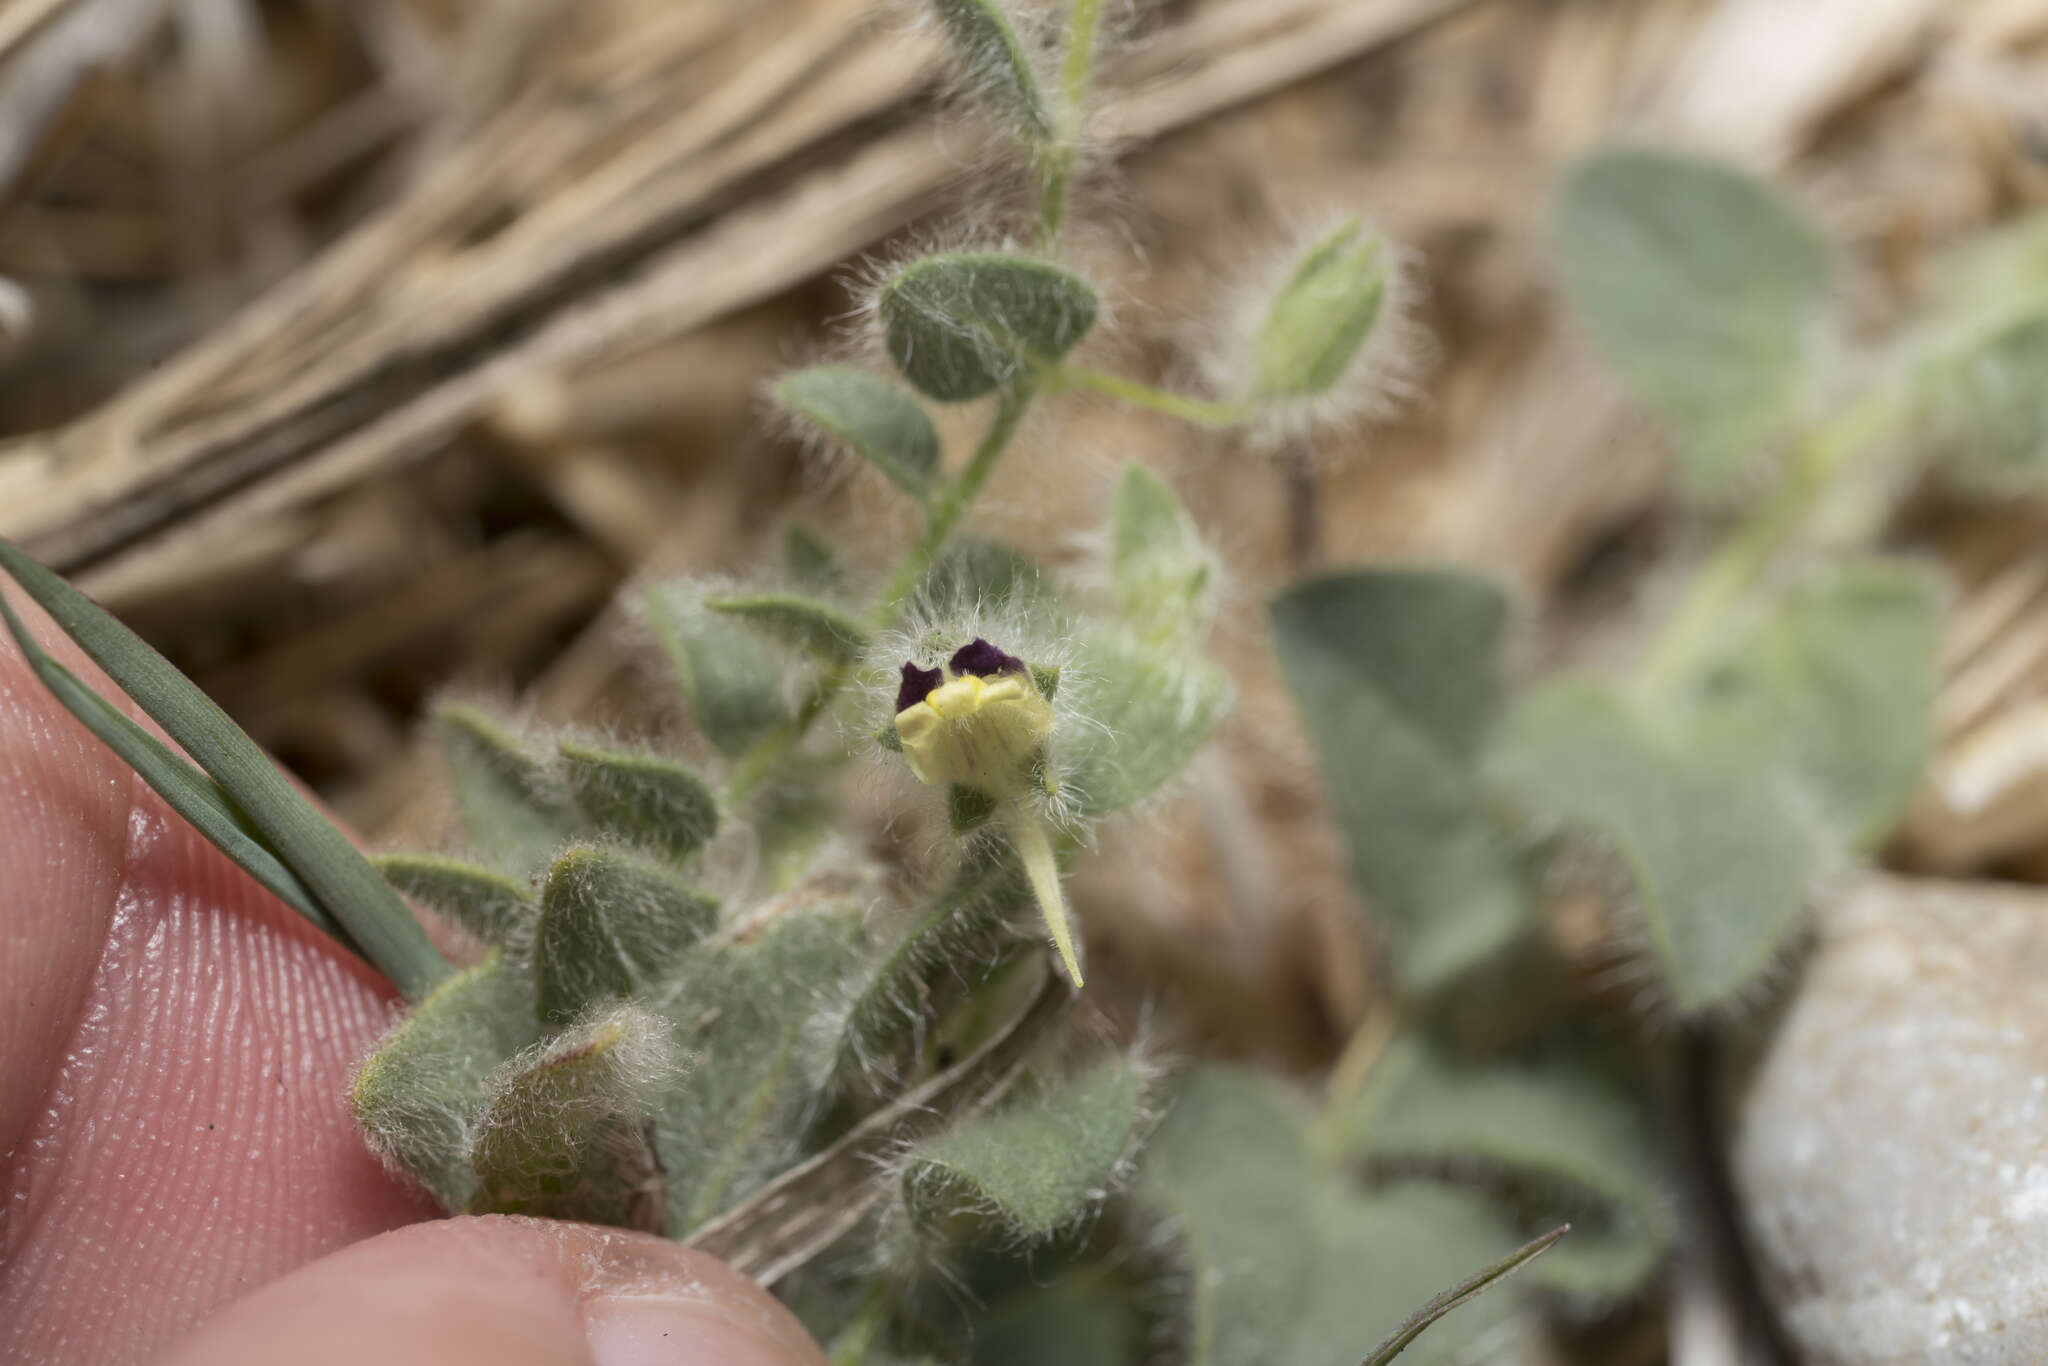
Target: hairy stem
[[947, 510], [1082, 22], [1756, 542], [1203, 412]]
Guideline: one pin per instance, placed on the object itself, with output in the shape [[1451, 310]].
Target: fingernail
[[652, 1330]]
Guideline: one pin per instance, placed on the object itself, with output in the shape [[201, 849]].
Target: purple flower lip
[[984, 660], [917, 685]]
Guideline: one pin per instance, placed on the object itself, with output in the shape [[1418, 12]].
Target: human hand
[[183, 1181]]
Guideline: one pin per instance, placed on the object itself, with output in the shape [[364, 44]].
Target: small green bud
[[1321, 317]]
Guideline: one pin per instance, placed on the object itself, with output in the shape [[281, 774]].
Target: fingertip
[[508, 1292]]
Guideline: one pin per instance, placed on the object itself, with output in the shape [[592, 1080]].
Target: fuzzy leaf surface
[[1396, 673], [1315, 325], [732, 680], [419, 1094], [1705, 290], [751, 1008], [611, 926], [1836, 687], [647, 801], [1164, 577], [987, 43], [808, 624], [489, 905], [1288, 1264], [811, 560], [1563, 1137], [564, 1133], [1041, 1161], [871, 415], [1152, 709], [964, 324], [516, 813], [1711, 836]]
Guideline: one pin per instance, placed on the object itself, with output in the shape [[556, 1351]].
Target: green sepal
[[1164, 578], [806, 623], [987, 43], [732, 680], [317, 855], [647, 801], [564, 1133], [1561, 1138], [1322, 316], [611, 926], [495, 908], [1046, 678], [515, 810], [1043, 1161], [417, 1095], [962, 325], [1397, 675], [871, 415], [1705, 290], [1718, 852]]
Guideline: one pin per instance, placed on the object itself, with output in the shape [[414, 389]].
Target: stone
[[1890, 1147]]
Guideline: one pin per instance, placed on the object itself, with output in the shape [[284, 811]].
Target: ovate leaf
[[1288, 1265], [812, 561], [420, 1094], [1322, 315], [515, 811], [644, 800], [1149, 709], [1705, 290], [1718, 854], [1835, 687], [1563, 1139], [1163, 576], [611, 926], [565, 1131], [1396, 672], [491, 906], [1038, 1164], [871, 415], [987, 43], [806, 623], [964, 324], [735, 684]]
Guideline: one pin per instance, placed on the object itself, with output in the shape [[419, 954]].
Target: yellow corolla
[[982, 723]]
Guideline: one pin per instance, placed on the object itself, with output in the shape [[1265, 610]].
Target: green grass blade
[[1458, 1294], [340, 880]]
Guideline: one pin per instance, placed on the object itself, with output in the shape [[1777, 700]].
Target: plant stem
[[1741, 559], [1082, 22], [1201, 411], [947, 509]]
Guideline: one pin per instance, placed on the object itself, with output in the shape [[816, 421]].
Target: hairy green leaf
[[1288, 1266], [1396, 672], [976, 575], [565, 1131], [871, 415], [964, 324], [812, 561], [1149, 709], [1322, 315], [1563, 1138], [1719, 856], [418, 1096], [644, 800], [316, 853], [491, 906], [515, 811], [1706, 291], [987, 43], [753, 1005], [1836, 688], [1164, 577], [806, 623], [732, 680], [610, 926], [1039, 1163]]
